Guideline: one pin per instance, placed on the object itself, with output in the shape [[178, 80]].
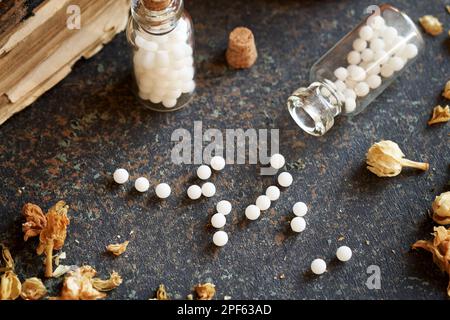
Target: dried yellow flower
[[161, 293], [35, 221], [118, 248], [448, 8], [205, 291], [441, 208], [10, 285], [33, 289], [385, 159], [431, 25], [446, 92], [440, 248], [113, 282], [54, 234], [440, 115], [78, 285]]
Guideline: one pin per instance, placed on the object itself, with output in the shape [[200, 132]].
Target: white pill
[[366, 33], [376, 22], [357, 73], [252, 212], [410, 51], [194, 192], [377, 44], [185, 74], [172, 94], [169, 103], [121, 176], [188, 50], [285, 179], [217, 163], [162, 58], [374, 81], [144, 59], [359, 44], [350, 83], [263, 202], [218, 220], [387, 71], [367, 55], [372, 68], [380, 57], [188, 86], [350, 105], [341, 73], [298, 224], [396, 63], [349, 94], [161, 72], [159, 38], [220, 238], [141, 184], [144, 95], [162, 190], [171, 75], [273, 193], [188, 61], [300, 209], [224, 207], [155, 98], [177, 64], [362, 89], [344, 253], [318, 266], [181, 26], [340, 85], [178, 36], [208, 189], [354, 57], [204, 172], [277, 161], [325, 92], [145, 44], [175, 85], [389, 34]]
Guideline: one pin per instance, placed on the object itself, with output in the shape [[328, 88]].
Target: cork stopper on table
[[156, 5], [241, 52]]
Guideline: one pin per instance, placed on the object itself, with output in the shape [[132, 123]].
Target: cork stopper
[[156, 5], [241, 52]]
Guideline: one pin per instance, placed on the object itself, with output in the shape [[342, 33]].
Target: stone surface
[[68, 144]]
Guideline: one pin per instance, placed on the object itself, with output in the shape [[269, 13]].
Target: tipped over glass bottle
[[357, 69], [161, 35]]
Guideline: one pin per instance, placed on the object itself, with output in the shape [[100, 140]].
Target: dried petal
[[441, 208], [35, 221], [8, 259], [440, 115], [78, 285], [205, 291], [161, 293], [62, 270], [33, 289], [118, 248], [431, 25], [113, 282], [10, 286], [446, 93]]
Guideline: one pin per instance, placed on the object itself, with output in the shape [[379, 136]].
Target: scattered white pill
[[350, 105], [208, 189], [374, 81], [285, 179], [163, 190], [362, 89], [318, 266], [341, 73], [218, 220], [344, 253], [204, 172], [169, 102], [376, 22], [357, 73], [224, 207], [277, 161], [220, 238], [359, 44], [396, 63], [263, 202], [252, 212], [298, 224], [366, 33], [300, 209], [354, 57], [194, 192], [121, 176], [141, 184], [217, 163], [410, 51], [387, 71], [367, 55], [273, 193]]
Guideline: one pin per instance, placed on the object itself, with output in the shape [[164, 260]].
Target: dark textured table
[[68, 143]]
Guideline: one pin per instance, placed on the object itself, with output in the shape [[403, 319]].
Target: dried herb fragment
[[446, 92], [35, 221], [385, 159], [10, 285], [440, 248], [113, 282], [161, 293], [205, 291], [431, 25], [33, 289], [441, 208], [118, 248], [440, 115], [78, 285]]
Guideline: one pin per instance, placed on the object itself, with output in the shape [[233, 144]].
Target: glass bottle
[[357, 69], [162, 38]]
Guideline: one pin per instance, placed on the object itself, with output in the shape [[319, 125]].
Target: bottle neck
[[313, 108], [156, 21]]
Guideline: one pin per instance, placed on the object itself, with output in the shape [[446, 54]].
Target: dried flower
[[205, 291], [161, 293], [190, 296], [440, 115], [440, 248], [62, 270], [78, 285], [10, 285], [431, 25], [113, 282], [448, 8], [446, 92], [441, 208], [33, 289], [118, 248], [54, 234], [385, 159], [35, 220]]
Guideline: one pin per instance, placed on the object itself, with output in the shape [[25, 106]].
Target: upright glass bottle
[[357, 69], [161, 35]]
